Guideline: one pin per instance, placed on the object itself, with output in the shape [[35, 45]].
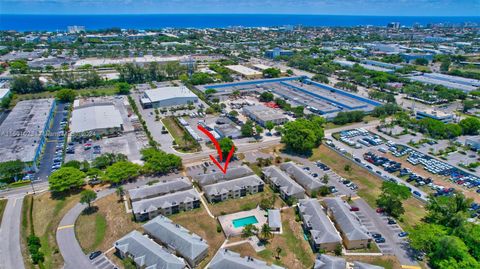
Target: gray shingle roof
[[329, 262], [187, 244], [148, 254], [232, 185], [288, 185], [161, 188], [274, 218], [232, 260], [165, 201], [350, 226], [232, 173], [300, 176], [322, 229]]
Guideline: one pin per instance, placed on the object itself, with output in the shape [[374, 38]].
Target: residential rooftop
[[232, 173], [187, 244], [232, 185], [232, 260], [160, 188], [299, 175], [287, 185], [350, 227], [322, 229], [147, 253], [165, 201]]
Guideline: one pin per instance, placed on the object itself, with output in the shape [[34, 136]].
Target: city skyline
[[307, 7]]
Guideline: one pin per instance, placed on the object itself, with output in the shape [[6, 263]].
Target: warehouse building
[[436, 115], [410, 57], [322, 234], [281, 182], [228, 259], [23, 131], [228, 130], [179, 240], [442, 82], [262, 114], [245, 72], [146, 253], [454, 79], [353, 232], [159, 189], [168, 97], [96, 120], [378, 68]]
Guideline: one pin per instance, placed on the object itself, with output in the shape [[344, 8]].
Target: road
[[10, 250]]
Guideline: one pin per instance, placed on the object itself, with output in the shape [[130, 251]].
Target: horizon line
[[286, 14]]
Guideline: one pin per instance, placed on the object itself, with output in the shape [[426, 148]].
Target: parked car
[[376, 235], [354, 208], [391, 221], [417, 193], [379, 210], [380, 240], [402, 234], [94, 254]]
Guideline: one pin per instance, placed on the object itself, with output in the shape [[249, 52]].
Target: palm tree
[[266, 231], [278, 251]]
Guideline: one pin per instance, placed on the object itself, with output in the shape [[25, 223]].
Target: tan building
[[245, 72]]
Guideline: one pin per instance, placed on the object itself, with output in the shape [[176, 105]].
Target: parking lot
[[403, 154]]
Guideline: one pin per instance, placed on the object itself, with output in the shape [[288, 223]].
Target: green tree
[[247, 129], [122, 171], [266, 97], [302, 135], [159, 162], [421, 61], [120, 191], [425, 236], [470, 126], [269, 126], [11, 171], [226, 145], [123, 88], [258, 130], [391, 198], [66, 95], [87, 197], [249, 230], [66, 178], [18, 67], [266, 231], [449, 211], [271, 72]]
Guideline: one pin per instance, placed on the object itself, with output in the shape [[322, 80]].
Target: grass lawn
[[3, 204], [178, 133], [99, 230], [199, 222], [245, 203], [296, 252], [368, 184], [46, 215], [388, 262]]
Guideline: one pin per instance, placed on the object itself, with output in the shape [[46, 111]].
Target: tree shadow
[[65, 194], [90, 210]]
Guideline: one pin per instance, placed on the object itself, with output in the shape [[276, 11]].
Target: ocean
[[157, 21]]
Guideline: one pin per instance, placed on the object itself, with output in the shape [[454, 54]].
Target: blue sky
[[329, 7]]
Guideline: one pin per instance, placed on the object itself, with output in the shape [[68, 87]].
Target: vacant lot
[[245, 203], [46, 214], [99, 230], [185, 142], [199, 222], [368, 184], [295, 251]]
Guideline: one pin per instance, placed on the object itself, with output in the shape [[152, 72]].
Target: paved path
[[10, 250], [69, 247]]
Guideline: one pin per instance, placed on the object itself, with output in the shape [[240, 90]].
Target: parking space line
[[65, 227], [411, 267]]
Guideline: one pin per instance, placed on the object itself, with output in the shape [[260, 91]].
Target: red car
[[379, 210], [354, 208]]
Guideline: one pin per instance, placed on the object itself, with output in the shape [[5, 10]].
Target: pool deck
[[226, 221]]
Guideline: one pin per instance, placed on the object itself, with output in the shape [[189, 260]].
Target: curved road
[[10, 250]]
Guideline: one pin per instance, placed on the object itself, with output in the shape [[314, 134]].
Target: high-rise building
[[75, 29]]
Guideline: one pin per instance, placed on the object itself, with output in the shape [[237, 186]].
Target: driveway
[[10, 250]]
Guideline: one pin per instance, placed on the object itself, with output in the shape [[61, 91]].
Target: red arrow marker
[[219, 150]]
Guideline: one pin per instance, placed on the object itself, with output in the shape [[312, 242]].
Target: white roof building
[[95, 118], [168, 96], [245, 71]]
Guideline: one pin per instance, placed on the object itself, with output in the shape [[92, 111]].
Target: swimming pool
[[237, 223]]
